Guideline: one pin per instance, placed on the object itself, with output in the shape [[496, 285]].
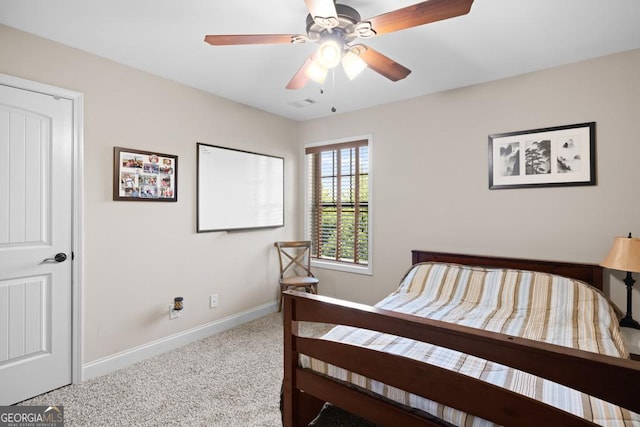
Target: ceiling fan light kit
[[330, 53], [316, 72], [352, 64], [335, 26]]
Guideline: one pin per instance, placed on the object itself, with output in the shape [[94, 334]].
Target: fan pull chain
[[333, 89]]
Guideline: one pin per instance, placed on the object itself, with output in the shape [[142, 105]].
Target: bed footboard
[[609, 378]]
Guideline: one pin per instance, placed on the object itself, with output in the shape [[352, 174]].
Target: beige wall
[[430, 185], [430, 165], [138, 256]]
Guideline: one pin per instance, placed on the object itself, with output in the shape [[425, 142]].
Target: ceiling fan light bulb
[[330, 53], [316, 72], [352, 65]]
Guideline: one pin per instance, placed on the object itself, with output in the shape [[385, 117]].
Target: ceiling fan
[[335, 27]]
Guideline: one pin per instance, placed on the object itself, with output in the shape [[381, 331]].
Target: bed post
[[299, 408], [290, 395]]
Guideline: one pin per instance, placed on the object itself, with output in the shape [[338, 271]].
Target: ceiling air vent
[[302, 103]]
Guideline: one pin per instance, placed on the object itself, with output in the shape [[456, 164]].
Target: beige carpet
[[230, 379]]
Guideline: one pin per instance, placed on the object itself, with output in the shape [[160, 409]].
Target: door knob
[[60, 257]]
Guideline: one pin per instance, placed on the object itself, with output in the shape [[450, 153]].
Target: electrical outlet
[[213, 301]]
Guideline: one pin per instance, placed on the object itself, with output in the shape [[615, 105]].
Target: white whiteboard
[[238, 189]]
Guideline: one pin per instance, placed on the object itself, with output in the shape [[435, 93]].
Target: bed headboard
[[589, 273]]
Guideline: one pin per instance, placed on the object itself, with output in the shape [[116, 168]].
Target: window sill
[[339, 266]]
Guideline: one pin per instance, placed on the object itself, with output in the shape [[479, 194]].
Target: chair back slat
[[295, 267], [294, 258]]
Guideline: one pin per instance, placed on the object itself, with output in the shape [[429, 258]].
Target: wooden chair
[[295, 267]]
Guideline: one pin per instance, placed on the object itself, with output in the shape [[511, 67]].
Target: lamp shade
[[624, 255], [329, 53], [352, 64], [316, 72]]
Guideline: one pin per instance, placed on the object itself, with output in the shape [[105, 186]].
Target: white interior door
[[36, 158]]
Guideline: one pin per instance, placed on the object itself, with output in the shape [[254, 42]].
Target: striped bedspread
[[532, 305]]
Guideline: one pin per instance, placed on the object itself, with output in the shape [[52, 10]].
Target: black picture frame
[[144, 176], [547, 157]]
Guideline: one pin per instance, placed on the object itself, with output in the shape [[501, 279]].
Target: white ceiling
[[497, 39]]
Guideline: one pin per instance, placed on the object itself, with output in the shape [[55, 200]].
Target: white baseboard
[[125, 358]]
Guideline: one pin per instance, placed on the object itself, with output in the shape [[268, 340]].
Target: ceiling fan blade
[[323, 12], [382, 64], [300, 78], [418, 14], [231, 39]]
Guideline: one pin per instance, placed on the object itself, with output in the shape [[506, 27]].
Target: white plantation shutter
[[338, 201]]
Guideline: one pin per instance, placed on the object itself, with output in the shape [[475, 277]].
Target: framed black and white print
[[144, 176], [548, 157]]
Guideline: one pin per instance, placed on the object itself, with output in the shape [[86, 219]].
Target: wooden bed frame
[[304, 392]]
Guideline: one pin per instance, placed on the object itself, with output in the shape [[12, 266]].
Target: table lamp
[[625, 256]]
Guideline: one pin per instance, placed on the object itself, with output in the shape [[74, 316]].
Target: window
[[338, 205]]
